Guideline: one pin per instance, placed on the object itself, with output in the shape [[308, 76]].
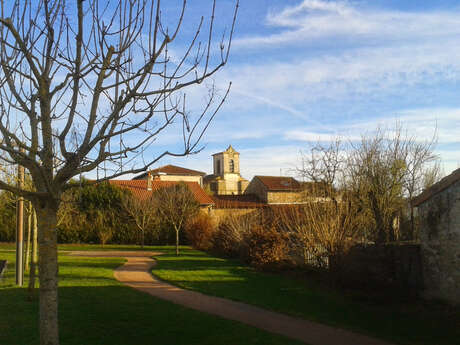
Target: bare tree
[[323, 165], [320, 230], [418, 173], [431, 174], [175, 205], [34, 261], [385, 170], [141, 211], [381, 172], [376, 170], [29, 235], [77, 78]]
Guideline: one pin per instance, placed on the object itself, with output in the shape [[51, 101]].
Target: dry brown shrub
[[267, 247], [200, 231], [319, 230], [229, 239]]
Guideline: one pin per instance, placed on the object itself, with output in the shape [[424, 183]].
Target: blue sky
[[313, 69]]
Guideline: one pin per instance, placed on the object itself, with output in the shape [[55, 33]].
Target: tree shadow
[[119, 315]]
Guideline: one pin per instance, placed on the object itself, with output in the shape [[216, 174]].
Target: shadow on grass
[[81, 263], [119, 315], [404, 323]]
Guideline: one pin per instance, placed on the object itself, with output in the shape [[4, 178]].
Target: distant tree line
[[104, 213]]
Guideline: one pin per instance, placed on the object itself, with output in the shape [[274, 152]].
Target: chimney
[[149, 181]]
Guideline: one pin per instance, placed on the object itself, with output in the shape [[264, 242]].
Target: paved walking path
[[136, 274]]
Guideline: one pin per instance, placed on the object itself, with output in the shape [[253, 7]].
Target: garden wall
[[221, 213], [395, 266], [439, 210]]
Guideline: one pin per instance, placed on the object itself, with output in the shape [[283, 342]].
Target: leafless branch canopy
[[85, 82]]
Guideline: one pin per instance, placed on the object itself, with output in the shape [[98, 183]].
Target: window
[[232, 166], [217, 167]]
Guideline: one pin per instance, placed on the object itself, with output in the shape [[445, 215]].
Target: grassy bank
[[95, 309], [403, 323]]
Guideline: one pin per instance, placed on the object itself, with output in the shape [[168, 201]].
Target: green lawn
[[95, 309], [397, 322]]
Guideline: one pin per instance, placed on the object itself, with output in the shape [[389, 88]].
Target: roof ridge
[[438, 187]]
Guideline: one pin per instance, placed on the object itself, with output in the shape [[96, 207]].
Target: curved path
[[136, 274]]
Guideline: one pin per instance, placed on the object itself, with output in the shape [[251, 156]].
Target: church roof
[[279, 183], [139, 189], [171, 170], [229, 149]]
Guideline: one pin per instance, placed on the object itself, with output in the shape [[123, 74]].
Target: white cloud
[[314, 137], [270, 160], [337, 76], [368, 52], [316, 20], [423, 124]]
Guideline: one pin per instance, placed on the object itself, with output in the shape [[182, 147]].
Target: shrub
[[319, 230], [229, 239], [200, 231], [267, 247], [7, 217]]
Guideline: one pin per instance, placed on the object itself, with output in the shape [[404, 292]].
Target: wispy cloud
[[270, 160], [425, 124], [341, 49], [324, 68], [339, 75], [314, 19]]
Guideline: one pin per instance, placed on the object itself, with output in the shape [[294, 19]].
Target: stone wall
[[220, 213], [277, 197], [257, 188], [440, 244], [395, 268]]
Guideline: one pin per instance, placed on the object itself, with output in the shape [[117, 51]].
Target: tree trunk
[[177, 242], [34, 261], [379, 222], [48, 272], [29, 228], [412, 223], [142, 239]]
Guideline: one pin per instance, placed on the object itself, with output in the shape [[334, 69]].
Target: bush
[[229, 239], [267, 247], [200, 231], [7, 217]]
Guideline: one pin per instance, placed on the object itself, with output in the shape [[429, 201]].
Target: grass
[[95, 309], [402, 323]]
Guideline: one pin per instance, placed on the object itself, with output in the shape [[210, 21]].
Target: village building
[[173, 173], [226, 179], [439, 210], [231, 193], [143, 189], [276, 189]]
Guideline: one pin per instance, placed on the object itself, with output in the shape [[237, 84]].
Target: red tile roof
[[171, 170], [436, 188], [279, 183], [139, 189], [237, 201]]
